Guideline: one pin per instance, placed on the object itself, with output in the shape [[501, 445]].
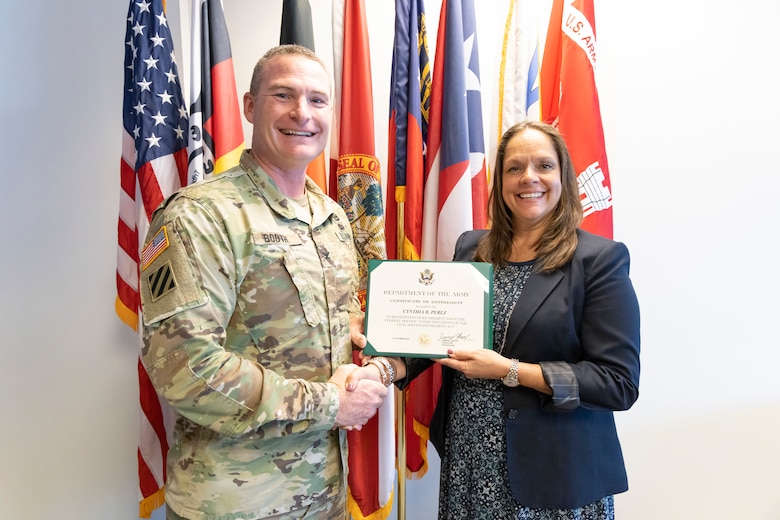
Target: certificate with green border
[[423, 308]]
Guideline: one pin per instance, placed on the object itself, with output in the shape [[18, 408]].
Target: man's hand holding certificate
[[422, 308]]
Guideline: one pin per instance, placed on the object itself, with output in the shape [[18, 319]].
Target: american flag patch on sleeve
[[153, 249]]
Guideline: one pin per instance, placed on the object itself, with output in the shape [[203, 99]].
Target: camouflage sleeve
[[188, 291], [355, 305]]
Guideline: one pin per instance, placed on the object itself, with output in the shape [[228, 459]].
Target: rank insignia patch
[[156, 246], [161, 281]]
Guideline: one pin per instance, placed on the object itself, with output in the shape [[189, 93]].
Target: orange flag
[[355, 184], [570, 101]]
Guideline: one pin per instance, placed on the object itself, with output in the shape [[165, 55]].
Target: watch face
[[510, 381], [511, 378]]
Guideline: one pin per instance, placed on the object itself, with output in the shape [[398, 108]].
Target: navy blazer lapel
[[536, 289]]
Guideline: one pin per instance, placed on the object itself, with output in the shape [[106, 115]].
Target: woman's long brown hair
[[559, 240]]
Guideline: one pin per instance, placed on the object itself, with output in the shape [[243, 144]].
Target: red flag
[[421, 397], [297, 28], [410, 88], [216, 134], [570, 101], [355, 184], [153, 166]]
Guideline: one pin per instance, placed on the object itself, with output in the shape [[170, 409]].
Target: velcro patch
[[170, 284], [152, 250], [162, 281]]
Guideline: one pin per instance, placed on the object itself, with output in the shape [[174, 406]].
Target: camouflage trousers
[[331, 509]]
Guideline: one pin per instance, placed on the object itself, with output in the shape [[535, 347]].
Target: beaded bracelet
[[390, 370], [382, 371]]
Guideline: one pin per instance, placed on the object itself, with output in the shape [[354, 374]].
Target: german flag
[[216, 135], [297, 28]]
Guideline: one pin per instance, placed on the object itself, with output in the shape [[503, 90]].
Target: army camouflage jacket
[[246, 299]]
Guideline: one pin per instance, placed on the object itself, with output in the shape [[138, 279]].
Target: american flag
[[153, 166], [157, 245]]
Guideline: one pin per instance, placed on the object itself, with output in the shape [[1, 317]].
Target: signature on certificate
[[449, 340]]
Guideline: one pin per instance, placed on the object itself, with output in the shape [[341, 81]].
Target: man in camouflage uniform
[[248, 288]]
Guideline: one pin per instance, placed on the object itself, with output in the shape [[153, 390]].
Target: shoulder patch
[[161, 281], [156, 245], [170, 281]]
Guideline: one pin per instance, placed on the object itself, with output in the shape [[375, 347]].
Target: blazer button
[[512, 414]]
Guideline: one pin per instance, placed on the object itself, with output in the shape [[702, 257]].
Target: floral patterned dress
[[474, 479]]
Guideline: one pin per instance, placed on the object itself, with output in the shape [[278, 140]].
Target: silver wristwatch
[[510, 379]]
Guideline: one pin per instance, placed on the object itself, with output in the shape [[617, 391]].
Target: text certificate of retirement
[[424, 308]]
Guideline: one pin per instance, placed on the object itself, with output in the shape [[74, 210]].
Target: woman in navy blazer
[[525, 430]]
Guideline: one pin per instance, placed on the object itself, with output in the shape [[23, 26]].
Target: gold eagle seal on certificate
[[424, 340], [426, 277]]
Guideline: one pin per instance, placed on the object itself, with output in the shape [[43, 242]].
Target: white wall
[[689, 101]]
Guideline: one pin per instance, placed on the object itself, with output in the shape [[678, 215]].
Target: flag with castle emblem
[[570, 101]]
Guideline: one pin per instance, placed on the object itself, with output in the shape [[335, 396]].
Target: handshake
[[361, 392], [362, 389]]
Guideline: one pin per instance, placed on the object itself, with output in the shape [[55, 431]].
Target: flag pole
[[401, 421], [400, 405]]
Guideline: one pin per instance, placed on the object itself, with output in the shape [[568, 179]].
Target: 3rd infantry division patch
[[162, 281]]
